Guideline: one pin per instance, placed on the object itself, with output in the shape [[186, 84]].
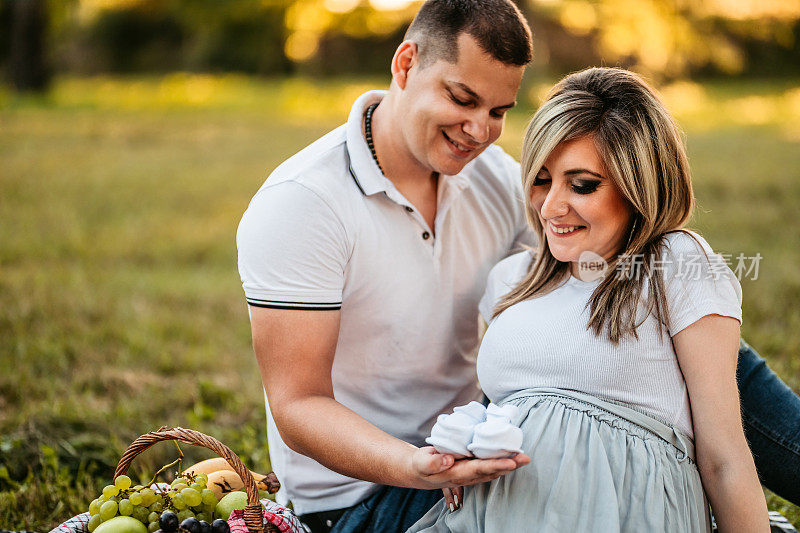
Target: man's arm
[[295, 351]]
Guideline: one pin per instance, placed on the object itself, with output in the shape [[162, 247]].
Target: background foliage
[[663, 38]]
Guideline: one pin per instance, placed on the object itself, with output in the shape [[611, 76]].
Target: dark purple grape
[[168, 521], [205, 527], [192, 525], [220, 526]]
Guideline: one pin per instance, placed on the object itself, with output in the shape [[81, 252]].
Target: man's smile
[[459, 149]]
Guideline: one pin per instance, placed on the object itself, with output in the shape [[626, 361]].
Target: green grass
[[120, 304]]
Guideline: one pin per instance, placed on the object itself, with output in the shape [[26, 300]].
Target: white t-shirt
[[328, 231], [544, 341]]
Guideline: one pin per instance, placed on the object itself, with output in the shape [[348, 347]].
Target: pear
[[229, 502]]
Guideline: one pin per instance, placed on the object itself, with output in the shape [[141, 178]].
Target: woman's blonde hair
[[643, 152]]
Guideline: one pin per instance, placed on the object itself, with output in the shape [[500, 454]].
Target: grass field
[[120, 304]]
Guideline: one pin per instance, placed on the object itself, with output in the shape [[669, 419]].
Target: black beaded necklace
[[368, 134]]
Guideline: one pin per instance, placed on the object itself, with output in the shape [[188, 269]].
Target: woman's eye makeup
[[578, 186], [585, 186]]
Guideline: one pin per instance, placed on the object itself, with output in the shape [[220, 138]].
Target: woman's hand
[[453, 497], [431, 470]]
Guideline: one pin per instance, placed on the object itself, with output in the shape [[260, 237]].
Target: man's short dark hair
[[497, 25]]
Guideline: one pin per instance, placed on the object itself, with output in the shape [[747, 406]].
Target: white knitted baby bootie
[[475, 430], [497, 436], [506, 413], [452, 434]]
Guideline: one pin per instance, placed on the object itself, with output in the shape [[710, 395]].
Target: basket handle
[[253, 516]]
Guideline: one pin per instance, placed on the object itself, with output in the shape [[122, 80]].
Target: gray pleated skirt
[[596, 466]]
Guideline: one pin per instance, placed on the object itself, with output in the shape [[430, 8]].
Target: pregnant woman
[[617, 338]]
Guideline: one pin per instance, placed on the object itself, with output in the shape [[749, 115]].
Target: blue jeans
[[771, 416], [390, 509]]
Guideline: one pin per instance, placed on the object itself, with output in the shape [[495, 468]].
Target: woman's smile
[[564, 230]]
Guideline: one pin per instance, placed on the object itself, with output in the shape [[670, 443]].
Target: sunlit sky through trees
[[667, 38]]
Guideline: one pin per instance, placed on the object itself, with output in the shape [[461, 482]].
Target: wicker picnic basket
[[253, 517]]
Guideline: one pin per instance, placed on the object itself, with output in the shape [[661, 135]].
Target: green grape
[[136, 498], [148, 497], [153, 517], [197, 486], [179, 486], [179, 480], [122, 482], [94, 521], [108, 510], [192, 497], [141, 514], [209, 508], [208, 497], [152, 527], [179, 502], [202, 516], [202, 479], [158, 506], [125, 507], [94, 507], [109, 491], [183, 515]]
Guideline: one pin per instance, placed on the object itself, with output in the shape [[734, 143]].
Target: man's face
[[454, 111]]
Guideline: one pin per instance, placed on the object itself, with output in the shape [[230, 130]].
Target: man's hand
[[436, 470]]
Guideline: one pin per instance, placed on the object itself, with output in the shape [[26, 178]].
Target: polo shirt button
[[426, 235], [409, 209]]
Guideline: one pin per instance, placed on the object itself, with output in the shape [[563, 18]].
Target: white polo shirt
[[328, 231]]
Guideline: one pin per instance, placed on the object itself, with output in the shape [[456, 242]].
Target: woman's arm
[[707, 353]]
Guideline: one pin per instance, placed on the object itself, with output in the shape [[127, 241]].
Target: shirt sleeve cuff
[[317, 300]]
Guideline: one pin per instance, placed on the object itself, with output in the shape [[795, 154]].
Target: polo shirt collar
[[363, 169]]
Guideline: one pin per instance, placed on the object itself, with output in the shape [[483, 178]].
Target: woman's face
[[579, 206]]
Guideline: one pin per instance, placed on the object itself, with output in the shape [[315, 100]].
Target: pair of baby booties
[[473, 430]]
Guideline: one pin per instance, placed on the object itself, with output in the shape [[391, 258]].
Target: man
[[363, 258]]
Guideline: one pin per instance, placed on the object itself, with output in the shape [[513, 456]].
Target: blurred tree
[[239, 35], [165, 35], [27, 61], [660, 38], [675, 38], [335, 36], [138, 38]]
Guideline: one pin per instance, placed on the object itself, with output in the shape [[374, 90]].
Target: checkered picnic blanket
[[287, 522], [284, 519]]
